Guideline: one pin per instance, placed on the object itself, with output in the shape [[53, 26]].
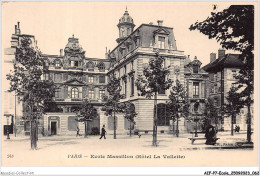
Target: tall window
[[102, 79], [132, 86], [74, 92], [57, 77], [46, 76], [195, 69], [161, 41], [72, 63], [118, 71], [125, 69], [125, 86], [195, 90], [132, 65], [101, 94], [91, 94], [58, 93], [90, 79], [163, 117]]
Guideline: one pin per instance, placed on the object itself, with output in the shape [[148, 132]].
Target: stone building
[[196, 80], [134, 50], [222, 74], [12, 108], [77, 78]]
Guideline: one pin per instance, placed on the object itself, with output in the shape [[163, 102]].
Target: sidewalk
[[165, 141]]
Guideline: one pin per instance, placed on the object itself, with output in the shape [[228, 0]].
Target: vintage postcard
[[129, 83]]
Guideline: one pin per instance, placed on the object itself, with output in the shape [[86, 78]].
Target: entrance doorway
[[53, 128]]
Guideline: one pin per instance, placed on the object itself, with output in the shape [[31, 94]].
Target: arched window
[[101, 67], [90, 66], [74, 93], [162, 115]]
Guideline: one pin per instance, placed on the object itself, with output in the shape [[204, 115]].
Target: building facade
[[196, 80], [128, 59], [13, 108], [77, 78], [222, 74]]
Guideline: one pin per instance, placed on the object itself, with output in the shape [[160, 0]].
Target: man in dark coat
[[210, 135], [103, 132]]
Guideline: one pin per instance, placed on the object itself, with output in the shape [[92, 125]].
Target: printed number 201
[[10, 155]]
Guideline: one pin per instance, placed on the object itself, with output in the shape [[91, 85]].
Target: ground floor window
[[127, 125], [162, 115], [111, 122], [72, 123]]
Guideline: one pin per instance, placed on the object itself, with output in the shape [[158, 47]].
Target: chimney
[[221, 53], [212, 57], [106, 54], [18, 28], [15, 31], [61, 52], [160, 22]]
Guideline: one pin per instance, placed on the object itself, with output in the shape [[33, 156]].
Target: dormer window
[[90, 66], [101, 67], [74, 63], [161, 42], [57, 63], [195, 69]]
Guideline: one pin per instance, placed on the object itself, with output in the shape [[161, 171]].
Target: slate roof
[[229, 61]]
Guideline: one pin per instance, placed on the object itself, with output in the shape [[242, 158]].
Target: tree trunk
[[173, 127], [33, 135], [248, 124], [130, 129], [114, 124], [86, 130], [155, 121], [177, 126], [232, 125]]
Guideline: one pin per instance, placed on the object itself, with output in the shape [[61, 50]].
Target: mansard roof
[[229, 61]]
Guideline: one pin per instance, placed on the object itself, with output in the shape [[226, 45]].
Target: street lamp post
[[196, 108], [7, 131]]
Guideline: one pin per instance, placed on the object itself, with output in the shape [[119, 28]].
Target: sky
[[95, 24]]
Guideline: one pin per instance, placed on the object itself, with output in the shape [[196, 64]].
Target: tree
[[154, 79], [233, 106], [26, 81], [177, 102], [130, 114], [234, 29], [113, 105], [211, 113], [86, 113]]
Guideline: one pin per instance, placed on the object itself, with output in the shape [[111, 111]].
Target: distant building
[[134, 50], [196, 80], [222, 72]]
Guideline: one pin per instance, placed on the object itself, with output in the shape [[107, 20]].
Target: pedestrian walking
[[77, 132], [103, 132]]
